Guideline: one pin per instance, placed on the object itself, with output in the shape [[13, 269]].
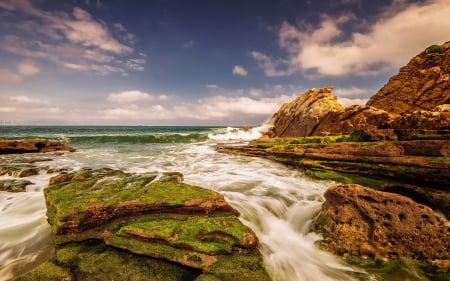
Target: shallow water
[[278, 203]]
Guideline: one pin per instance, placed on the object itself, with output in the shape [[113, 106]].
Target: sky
[[200, 62]]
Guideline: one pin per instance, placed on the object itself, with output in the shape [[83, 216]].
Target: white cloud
[[401, 31], [23, 70], [75, 40], [273, 67], [250, 106], [239, 70], [351, 101], [353, 91], [22, 106], [211, 86], [129, 96]]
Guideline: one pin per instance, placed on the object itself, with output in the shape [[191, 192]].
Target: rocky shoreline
[[393, 157]]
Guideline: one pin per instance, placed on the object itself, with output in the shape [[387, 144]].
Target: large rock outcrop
[[32, 146], [355, 220], [154, 225], [303, 115], [422, 84], [317, 113]]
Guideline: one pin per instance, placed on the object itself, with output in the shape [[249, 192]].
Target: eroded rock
[[157, 218], [422, 84], [355, 220]]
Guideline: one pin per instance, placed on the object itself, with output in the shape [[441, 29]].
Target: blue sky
[[221, 62]]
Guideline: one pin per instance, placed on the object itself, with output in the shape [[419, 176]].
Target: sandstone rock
[[301, 116], [365, 222], [155, 219], [355, 118], [312, 114], [30, 146], [422, 84], [418, 168]]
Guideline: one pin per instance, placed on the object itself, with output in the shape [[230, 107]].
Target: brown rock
[[32, 146], [355, 118], [422, 84], [361, 221], [301, 116]]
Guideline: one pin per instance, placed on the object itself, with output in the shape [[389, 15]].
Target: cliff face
[[420, 85]]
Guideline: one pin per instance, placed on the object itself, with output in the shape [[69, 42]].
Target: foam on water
[[276, 202]]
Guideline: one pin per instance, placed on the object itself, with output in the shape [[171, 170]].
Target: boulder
[[422, 84], [32, 146], [102, 217], [301, 116], [355, 220]]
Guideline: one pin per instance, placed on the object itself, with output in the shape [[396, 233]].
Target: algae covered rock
[[12, 185], [360, 222], [101, 216]]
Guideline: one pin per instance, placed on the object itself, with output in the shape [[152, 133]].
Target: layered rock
[[422, 84], [303, 115], [32, 146], [355, 220], [192, 232], [317, 113], [417, 168]]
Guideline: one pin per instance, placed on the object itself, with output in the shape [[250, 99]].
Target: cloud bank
[[76, 41], [329, 49]]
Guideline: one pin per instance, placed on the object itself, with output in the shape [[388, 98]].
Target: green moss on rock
[[154, 217], [96, 262]]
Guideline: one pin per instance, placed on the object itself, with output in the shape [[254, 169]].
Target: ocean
[[277, 202]]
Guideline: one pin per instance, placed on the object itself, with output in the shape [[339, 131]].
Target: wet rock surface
[[32, 146], [156, 219], [355, 220]]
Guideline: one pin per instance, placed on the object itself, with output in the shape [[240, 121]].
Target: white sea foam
[[243, 134], [276, 202]]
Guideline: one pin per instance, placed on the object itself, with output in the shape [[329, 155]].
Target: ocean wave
[[239, 134], [156, 138]]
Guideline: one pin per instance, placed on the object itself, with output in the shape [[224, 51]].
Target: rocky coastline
[[392, 156], [133, 226]]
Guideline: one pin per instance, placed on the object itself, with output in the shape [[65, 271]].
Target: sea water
[[277, 202]]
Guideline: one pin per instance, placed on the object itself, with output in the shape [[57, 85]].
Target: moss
[[47, 271], [323, 224], [207, 277], [12, 185], [247, 267], [210, 235], [435, 49], [106, 189], [347, 178], [393, 270], [93, 261]]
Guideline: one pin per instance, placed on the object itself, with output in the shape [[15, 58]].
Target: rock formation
[[155, 226], [317, 112], [422, 84], [301, 116], [360, 221], [31, 146]]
